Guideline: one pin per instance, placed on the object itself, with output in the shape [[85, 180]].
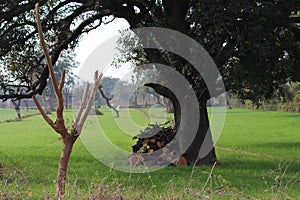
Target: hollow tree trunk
[[69, 140]]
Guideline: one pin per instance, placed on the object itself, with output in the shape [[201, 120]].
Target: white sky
[[89, 42]]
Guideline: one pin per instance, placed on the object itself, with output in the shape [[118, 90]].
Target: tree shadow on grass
[[292, 148]]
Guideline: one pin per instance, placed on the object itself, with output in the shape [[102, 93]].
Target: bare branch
[[60, 107], [82, 105], [109, 21], [91, 100], [44, 115], [45, 48], [62, 80], [78, 31], [107, 99]]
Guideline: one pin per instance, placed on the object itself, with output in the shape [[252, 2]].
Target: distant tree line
[[286, 100]]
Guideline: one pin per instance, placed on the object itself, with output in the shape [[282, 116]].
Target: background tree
[[108, 84], [288, 99], [67, 62], [17, 104], [106, 90]]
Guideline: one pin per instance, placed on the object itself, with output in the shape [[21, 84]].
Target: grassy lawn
[[252, 146], [9, 114]]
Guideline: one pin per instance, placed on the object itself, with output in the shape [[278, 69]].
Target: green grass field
[[258, 153], [10, 114]]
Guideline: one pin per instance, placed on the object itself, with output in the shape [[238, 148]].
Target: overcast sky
[[89, 42]]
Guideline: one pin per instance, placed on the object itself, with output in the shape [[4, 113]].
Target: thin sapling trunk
[[69, 137]]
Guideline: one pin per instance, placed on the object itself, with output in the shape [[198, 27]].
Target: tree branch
[[107, 100], [45, 49], [76, 33], [60, 125], [82, 106], [294, 19], [20, 9], [44, 115], [62, 80], [91, 100]]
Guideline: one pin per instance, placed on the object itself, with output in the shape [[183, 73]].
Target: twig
[[44, 115], [209, 176]]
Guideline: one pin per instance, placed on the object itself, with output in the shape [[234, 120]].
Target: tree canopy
[[255, 44]]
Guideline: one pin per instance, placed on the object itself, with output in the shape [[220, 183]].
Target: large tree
[[255, 44]]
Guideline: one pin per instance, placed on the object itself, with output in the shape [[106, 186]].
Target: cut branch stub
[[82, 105], [82, 119], [43, 113]]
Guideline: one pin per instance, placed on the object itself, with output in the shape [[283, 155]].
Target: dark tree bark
[[201, 151]]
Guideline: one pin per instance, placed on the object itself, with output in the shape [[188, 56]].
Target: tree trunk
[[69, 140], [202, 151], [17, 108], [18, 111], [136, 99], [228, 101]]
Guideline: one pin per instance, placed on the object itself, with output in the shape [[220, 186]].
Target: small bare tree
[[68, 137], [108, 99]]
